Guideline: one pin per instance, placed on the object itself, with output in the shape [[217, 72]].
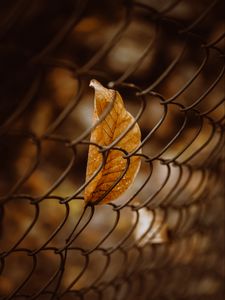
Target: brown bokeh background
[[164, 238]]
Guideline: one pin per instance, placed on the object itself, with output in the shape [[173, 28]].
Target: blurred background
[[162, 239]]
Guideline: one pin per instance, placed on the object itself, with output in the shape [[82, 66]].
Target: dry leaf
[[111, 127]]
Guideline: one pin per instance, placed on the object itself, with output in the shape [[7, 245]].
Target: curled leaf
[[116, 173]]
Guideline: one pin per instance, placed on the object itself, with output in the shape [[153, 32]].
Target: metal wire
[[52, 246]]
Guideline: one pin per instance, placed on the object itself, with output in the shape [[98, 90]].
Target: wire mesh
[[164, 238]]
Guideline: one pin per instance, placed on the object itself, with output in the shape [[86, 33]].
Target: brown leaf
[[110, 128]]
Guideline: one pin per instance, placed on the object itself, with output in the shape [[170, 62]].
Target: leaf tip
[[96, 85], [101, 93]]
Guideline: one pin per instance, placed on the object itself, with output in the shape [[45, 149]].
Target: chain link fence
[[162, 239]]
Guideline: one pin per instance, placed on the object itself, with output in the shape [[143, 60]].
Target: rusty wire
[[191, 260]]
